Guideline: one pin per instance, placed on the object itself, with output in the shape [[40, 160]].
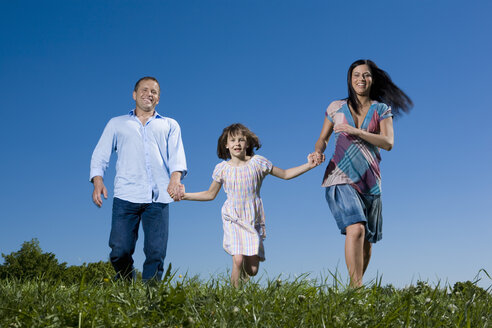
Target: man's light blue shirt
[[147, 155]]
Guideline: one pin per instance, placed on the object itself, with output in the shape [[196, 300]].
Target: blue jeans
[[124, 235]]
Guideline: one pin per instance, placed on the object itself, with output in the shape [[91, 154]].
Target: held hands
[[176, 191], [183, 191], [315, 159]]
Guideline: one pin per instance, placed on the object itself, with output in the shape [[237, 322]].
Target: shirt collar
[[156, 115]]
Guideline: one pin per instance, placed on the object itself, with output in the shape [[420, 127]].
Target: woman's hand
[[349, 129], [315, 159], [383, 140]]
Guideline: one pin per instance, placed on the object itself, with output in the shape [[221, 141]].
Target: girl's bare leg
[[354, 253], [237, 262]]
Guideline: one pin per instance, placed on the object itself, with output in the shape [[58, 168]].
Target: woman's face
[[362, 80]]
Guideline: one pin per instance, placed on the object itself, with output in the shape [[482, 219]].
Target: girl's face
[[236, 144], [362, 80]]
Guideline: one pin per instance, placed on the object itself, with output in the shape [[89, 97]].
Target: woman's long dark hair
[[383, 90]]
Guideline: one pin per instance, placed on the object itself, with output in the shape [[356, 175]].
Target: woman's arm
[[209, 194], [322, 141], [294, 171], [383, 140]]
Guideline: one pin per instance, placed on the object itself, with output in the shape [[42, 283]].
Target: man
[[150, 160]]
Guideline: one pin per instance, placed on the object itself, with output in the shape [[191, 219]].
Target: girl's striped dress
[[242, 213]]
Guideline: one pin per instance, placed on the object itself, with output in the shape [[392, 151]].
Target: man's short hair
[[144, 79]]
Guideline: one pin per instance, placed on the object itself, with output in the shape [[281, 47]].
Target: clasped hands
[[316, 158], [176, 190]]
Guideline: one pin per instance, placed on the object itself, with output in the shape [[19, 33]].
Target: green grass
[[190, 302]]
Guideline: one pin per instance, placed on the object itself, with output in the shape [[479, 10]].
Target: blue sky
[[67, 67]]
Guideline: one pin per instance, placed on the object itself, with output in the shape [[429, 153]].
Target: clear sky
[[67, 67]]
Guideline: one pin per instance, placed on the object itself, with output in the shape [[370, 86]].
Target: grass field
[[189, 302]]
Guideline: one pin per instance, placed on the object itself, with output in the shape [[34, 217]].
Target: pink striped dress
[[242, 213]]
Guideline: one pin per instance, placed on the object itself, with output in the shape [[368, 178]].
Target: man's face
[[147, 95]]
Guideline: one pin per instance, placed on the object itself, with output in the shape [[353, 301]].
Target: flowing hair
[[232, 130], [383, 90]]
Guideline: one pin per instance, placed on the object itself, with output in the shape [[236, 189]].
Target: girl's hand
[[311, 160], [349, 129], [315, 159]]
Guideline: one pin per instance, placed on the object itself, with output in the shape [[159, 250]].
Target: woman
[[362, 124]]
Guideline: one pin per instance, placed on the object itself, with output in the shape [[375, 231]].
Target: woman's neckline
[[363, 115]]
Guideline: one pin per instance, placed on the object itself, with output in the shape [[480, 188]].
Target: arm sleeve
[[102, 153], [384, 111], [264, 164], [176, 153], [332, 109], [217, 174]]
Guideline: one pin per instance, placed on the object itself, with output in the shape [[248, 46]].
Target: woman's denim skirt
[[349, 207]]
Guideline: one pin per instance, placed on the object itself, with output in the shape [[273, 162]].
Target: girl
[[362, 124], [242, 214]]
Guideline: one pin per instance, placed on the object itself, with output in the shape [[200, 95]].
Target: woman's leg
[[237, 263], [354, 253], [367, 254]]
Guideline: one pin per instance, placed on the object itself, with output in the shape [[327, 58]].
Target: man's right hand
[[99, 188]]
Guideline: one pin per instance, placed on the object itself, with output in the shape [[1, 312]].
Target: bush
[[92, 272], [30, 262]]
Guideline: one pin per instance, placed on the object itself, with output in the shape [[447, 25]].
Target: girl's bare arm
[[206, 195], [294, 171]]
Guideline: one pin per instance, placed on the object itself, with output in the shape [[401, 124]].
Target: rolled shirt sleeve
[[176, 153], [102, 153]]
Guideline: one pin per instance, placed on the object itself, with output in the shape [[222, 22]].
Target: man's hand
[[99, 188], [175, 188]]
